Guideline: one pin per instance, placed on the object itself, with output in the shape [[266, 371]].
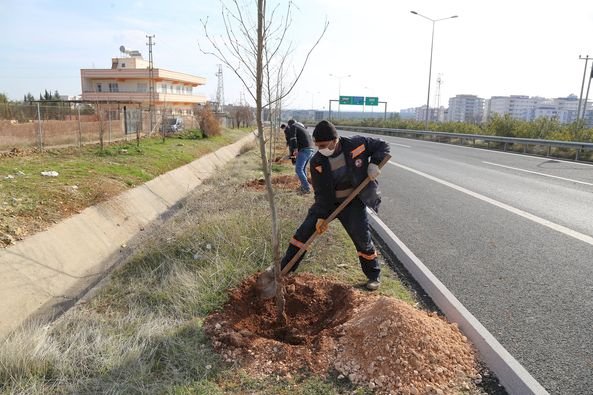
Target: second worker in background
[[300, 146]]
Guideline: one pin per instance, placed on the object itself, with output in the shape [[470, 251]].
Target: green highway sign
[[345, 99], [352, 100], [371, 101]]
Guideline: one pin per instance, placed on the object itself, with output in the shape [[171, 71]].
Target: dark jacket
[[297, 137], [358, 151]]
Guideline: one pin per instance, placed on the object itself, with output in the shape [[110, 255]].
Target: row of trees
[[541, 128], [51, 106]]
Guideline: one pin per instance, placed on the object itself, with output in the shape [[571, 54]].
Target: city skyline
[[490, 50]]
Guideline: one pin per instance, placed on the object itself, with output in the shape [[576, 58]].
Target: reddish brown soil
[[371, 340]]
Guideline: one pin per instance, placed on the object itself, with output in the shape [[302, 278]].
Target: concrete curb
[[53, 267], [511, 374]]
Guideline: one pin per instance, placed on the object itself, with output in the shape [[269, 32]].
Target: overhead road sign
[[371, 101], [352, 100], [345, 99]]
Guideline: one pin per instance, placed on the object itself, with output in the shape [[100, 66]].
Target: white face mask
[[327, 151]]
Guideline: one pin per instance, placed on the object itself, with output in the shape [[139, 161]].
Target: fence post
[[109, 115], [79, 129], [39, 129]]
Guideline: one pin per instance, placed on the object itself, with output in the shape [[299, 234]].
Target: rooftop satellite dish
[[122, 49]]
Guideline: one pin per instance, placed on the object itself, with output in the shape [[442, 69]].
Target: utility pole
[[220, 91], [587, 96], [586, 59], [150, 81]]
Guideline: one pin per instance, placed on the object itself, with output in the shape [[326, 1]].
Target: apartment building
[[517, 106], [466, 108], [563, 109], [128, 81]]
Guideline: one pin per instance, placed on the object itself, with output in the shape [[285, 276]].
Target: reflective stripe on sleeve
[[358, 150], [367, 256]]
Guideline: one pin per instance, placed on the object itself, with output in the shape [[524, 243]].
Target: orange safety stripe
[[357, 151], [368, 257], [297, 243]]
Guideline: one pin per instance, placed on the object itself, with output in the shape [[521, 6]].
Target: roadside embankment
[[53, 267]]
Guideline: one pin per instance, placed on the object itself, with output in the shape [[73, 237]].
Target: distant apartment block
[[408, 113], [525, 108], [128, 81], [517, 106], [466, 108], [434, 114], [470, 108]]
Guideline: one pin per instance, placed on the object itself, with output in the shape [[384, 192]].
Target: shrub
[[208, 122]]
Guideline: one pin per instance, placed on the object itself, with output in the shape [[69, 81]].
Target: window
[[142, 87], [163, 88], [123, 65], [113, 87], [99, 88]]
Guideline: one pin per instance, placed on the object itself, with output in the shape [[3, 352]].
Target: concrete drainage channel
[[49, 271], [511, 374]]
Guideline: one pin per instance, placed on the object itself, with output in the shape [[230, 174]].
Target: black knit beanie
[[325, 131]]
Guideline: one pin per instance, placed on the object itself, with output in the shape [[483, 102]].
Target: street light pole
[[339, 77], [434, 21]]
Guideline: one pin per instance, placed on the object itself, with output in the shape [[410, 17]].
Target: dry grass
[[142, 332]]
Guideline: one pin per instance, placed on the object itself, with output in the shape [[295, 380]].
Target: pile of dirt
[[332, 328], [283, 182], [390, 345]]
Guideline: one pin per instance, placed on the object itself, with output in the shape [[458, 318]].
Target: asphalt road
[[512, 237]]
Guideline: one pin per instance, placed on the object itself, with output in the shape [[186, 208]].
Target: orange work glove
[[321, 225]]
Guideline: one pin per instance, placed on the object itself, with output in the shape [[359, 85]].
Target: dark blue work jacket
[[358, 151]]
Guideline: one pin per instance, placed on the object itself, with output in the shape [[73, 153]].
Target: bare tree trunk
[[280, 301], [271, 34]]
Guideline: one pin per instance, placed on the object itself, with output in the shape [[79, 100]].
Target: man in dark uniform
[[301, 150], [339, 166]]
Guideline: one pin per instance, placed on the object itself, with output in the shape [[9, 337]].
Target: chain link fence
[[44, 124]]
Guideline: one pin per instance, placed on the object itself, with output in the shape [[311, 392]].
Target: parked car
[[173, 125]]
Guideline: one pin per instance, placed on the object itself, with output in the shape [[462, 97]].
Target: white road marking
[[401, 145], [540, 174], [554, 226]]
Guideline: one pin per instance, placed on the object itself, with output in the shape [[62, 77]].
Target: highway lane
[[512, 237]]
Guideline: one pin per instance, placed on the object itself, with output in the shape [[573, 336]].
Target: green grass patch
[[29, 201], [142, 332]]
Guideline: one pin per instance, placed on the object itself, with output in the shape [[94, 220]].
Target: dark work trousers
[[355, 220]]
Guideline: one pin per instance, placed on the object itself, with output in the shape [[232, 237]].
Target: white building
[[128, 81], [517, 106], [466, 108], [525, 108]]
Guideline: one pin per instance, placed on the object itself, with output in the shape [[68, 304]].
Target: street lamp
[[339, 77], [430, 67]]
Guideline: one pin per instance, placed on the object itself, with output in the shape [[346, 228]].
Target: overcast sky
[[504, 47]]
